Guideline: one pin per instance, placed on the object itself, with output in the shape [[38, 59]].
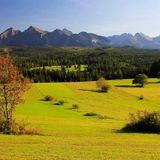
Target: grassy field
[[68, 135]]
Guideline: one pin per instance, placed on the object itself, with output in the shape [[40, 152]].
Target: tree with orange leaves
[[12, 87]]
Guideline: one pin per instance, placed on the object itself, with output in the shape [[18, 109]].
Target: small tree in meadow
[[141, 80], [12, 87], [103, 85]]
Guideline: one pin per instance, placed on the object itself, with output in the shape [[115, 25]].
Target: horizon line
[[129, 33]]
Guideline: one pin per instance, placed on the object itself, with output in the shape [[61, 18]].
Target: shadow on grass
[[123, 131], [99, 116], [127, 86], [134, 86], [42, 100], [154, 82], [56, 104], [91, 90]]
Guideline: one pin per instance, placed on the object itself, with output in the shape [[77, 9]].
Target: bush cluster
[[48, 98], [75, 106], [61, 102], [18, 128], [92, 114], [144, 122]]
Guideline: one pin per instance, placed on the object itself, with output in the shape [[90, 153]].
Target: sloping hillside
[[70, 135]]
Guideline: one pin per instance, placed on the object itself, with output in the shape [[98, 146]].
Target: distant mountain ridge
[[139, 40], [36, 37]]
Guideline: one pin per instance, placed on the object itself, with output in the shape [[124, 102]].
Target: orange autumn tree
[[12, 87]]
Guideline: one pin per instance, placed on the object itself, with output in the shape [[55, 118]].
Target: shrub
[[140, 79], [48, 98], [61, 102], [90, 114], [18, 129], [144, 122], [75, 106], [4, 127], [103, 117], [101, 82], [103, 85], [105, 88], [141, 97], [26, 129]]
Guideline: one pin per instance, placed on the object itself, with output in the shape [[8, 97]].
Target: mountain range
[[35, 37]]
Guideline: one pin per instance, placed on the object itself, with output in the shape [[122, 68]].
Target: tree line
[[110, 63]]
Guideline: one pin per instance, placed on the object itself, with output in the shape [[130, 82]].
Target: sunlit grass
[[69, 135]]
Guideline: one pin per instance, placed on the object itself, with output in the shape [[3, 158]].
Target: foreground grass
[[69, 135]]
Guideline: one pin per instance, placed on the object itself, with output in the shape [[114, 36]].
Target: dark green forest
[[111, 63]]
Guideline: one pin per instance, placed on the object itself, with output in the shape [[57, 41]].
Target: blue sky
[[104, 17]]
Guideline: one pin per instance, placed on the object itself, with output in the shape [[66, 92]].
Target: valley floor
[[69, 135]]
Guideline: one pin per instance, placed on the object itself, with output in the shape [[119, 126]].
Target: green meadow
[[69, 135], [72, 68]]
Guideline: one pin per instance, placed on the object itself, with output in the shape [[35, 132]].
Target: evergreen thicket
[[110, 63]]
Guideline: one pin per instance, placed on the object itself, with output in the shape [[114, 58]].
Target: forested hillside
[[84, 64]]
